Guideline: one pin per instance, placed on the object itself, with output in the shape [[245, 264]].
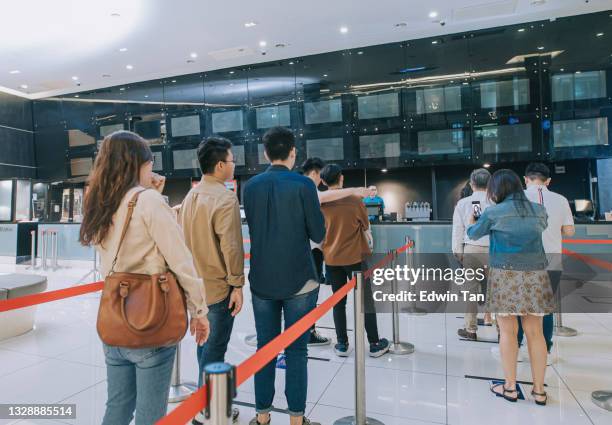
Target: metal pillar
[[397, 346], [220, 379], [179, 391]]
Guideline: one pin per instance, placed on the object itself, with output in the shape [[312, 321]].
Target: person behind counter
[[138, 379], [344, 247], [518, 283], [374, 199]]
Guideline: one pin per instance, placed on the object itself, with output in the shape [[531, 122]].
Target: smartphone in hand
[[476, 209]]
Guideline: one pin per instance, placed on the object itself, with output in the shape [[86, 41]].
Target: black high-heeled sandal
[[506, 391], [540, 403]]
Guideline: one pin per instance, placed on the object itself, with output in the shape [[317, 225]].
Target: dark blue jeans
[[268, 325], [221, 324]]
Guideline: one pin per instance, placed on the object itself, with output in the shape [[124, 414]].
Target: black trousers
[[338, 276], [317, 255]]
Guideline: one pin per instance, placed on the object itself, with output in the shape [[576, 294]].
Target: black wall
[[17, 158]]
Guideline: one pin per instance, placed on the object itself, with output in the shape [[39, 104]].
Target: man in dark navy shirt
[[283, 213]]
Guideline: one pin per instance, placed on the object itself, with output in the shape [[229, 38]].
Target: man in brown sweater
[[210, 216]]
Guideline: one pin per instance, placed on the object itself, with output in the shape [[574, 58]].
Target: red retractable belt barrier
[[45, 297]]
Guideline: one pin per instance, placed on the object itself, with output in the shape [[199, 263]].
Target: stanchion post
[[54, 264], [220, 379], [179, 391], [602, 399], [397, 346], [43, 249], [33, 250], [359, 336], [559, 329], [413, 310]]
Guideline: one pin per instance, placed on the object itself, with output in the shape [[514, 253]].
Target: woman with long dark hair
[[138, 379], [518, 284]]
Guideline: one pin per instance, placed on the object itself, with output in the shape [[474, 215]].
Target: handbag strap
[[130, 212]]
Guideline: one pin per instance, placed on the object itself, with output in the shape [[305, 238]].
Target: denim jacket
[[516, 242]]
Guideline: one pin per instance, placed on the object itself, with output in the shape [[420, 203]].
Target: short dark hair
[[312, 164], [278, 142], [211, 151], [537, 170], [331, 174]]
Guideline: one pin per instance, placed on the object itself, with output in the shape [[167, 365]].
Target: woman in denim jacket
[[518, 281]]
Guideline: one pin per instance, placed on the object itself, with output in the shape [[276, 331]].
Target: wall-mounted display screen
[[323, 111], [149, 130], [440, 99], [186, 159], [223, 122], [585, 132], [239, 156], [185, 126], [379, 146], [80, 166], [439, 142], [105, 130], [579, 86], [378, 106], [158, 162], [261, 158], [505, 139], [499, 94], [271, 116], [330, 149]]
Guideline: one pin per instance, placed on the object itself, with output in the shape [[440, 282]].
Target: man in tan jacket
[[210, 217]]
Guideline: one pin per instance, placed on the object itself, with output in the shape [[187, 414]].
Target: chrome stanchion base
[[564, 331], [401, 348], [181, 392], [351, 420], [602, 399]]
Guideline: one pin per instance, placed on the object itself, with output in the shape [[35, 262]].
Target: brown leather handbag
[[141, 310]]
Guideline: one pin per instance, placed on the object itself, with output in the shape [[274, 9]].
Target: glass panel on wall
[[105, 130], [323, 111], [239, 155], [80, 166], [271, 116], [185, 126], [496, 94], [223, 122], [328, 149], [585, 132], [22, 200], [79, 138], [379, 146], [440, 99], [505, 138], [579, 86], [185, 159], [261, 158], [158, 162], [378, 106], [150, 129], [439, 142], [6, 200]]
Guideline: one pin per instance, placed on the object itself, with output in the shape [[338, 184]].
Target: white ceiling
[[49, 42]]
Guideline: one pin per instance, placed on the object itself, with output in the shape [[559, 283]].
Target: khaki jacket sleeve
[[228, 229], [163, 227]]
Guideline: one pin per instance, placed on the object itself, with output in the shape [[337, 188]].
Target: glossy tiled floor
[[62, 361]]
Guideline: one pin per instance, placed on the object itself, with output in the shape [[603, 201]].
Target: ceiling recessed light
[[262, 44], [434, 42], [578, 72], [401, 25], [130, 67], [15, 71], [384, 170], [433, 14], [76, 95], [231, 72], [324, 75], [486, 165], [250, 24], [291, 63], [193, 55], [190, 61], [600, 34], [280, 45], [360, 52], [174, 81], [465, 83], [75, 78], [115, 15], [122, 89], [521, 30], [540, 47], [343, 30], [24, 86], [123, 49], [146, 95]]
